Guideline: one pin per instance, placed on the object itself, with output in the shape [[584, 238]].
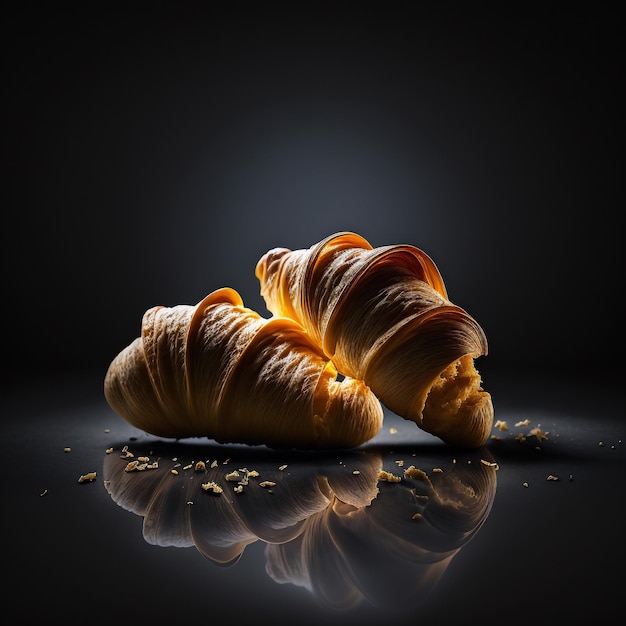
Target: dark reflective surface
[[526, 529]]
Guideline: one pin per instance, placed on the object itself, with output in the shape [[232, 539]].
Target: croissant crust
[[382, 315], [220, 370]]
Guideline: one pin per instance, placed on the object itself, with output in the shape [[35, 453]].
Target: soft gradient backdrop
[[152, 153]]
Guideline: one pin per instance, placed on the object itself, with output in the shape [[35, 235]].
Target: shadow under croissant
[[344, 526]]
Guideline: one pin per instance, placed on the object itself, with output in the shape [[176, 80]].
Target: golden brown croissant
[[383, 316], [220, 370]]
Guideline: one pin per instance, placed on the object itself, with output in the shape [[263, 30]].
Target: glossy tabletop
[[105, 524]]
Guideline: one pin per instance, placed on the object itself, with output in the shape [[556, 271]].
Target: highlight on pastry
[[382, 315], [220, 370]]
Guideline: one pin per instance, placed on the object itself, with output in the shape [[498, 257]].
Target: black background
[[153, 152]]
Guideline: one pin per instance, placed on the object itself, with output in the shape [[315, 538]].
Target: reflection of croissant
[[393, 552], [330, 524], [220, 370], [382, 315], [222, 527]]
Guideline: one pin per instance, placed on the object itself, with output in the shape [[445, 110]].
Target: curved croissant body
[[220, 370], [383, 316]]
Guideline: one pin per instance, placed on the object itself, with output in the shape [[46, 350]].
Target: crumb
[[388, 477], [417, 516], [238, 488], [126, 454], [393, 431], [43, 493], [356, 472], [214, 464], [571, 477], [87, 478], [521, 423], [67, 449], [143, 459], [267, 483], [175, 472], [132, 466], [521, 438], [108, 451], [501, 425], [189, 502], [525, 484], [234, 475], [600, 443], [283, 467], [413, 472], [400, 463], [489, 464], [496, 437], [213, 487], [437, 470], [200, 467], [188, 466], [552, 477], [537, 432], [107, 430]]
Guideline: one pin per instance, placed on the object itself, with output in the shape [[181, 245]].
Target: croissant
[[220, 370], [382, 315]]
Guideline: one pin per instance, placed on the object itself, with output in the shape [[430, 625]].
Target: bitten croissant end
[[220, 370], [383, 316]]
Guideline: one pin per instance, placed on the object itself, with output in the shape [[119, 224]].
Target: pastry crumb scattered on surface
[[200, 467], [525, 484], [393, 431], [414, 472], [233, 476], [501, 425], [67, 449], [131, 466], [213, 487], [552, 477], [537, 432], [283, 467], [490, 464], [108, 451], [267, 483], [437, 470], [174, 471], [388, 477], [417, 516], [87, 478], [43, 493], [521, 423], [399, 463]]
